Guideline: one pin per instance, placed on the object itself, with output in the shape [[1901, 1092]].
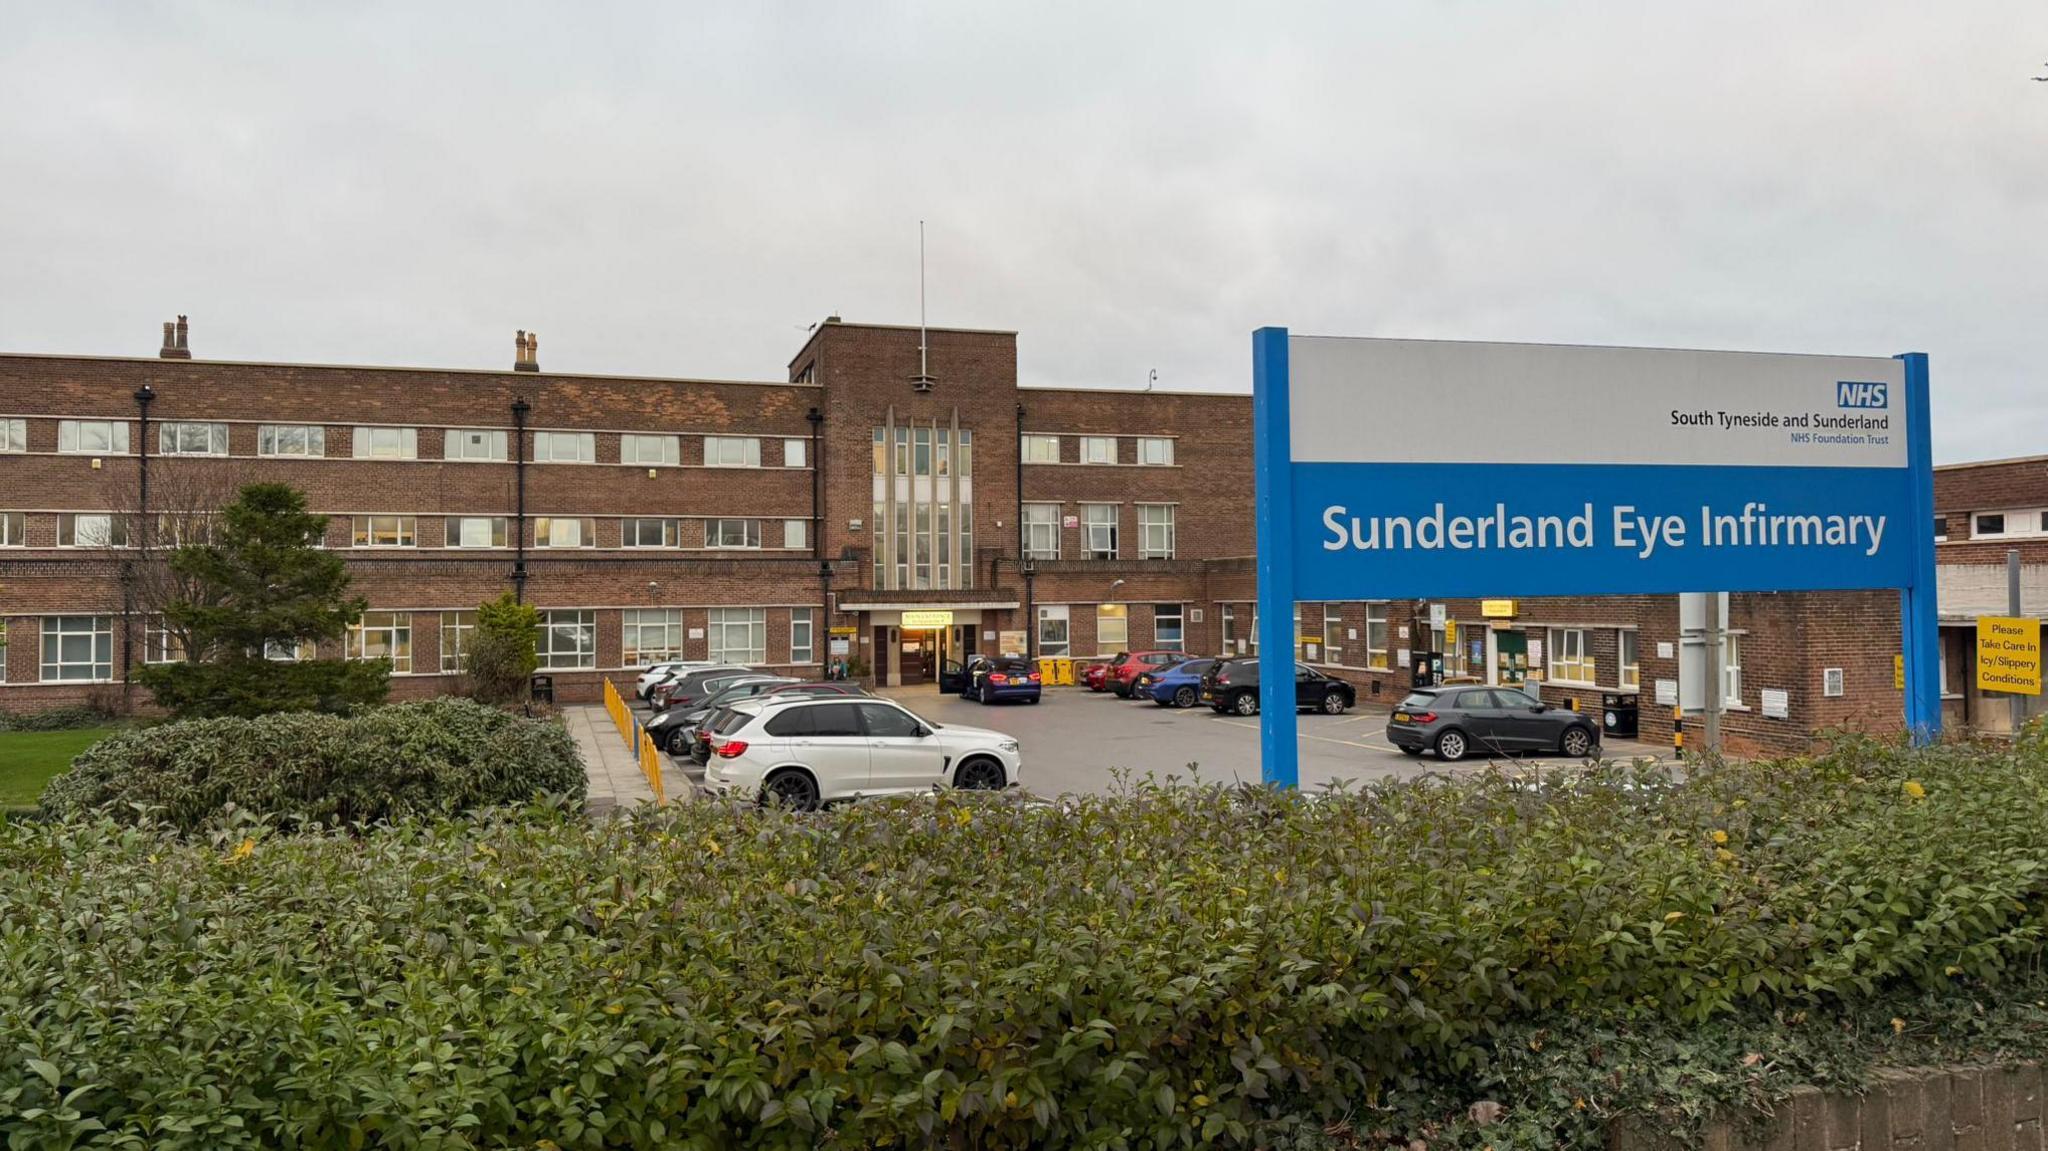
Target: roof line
[[1091, 390], [180, 365], [1989, 463]]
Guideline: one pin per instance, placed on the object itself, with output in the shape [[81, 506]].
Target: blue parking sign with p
[[1392, 469]]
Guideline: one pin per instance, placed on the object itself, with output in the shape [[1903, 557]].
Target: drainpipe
[[1030, 569], [519, 409], [144, 395], [817, 419]]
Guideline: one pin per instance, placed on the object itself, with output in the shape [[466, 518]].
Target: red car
[[1096, 677], [1125, 669]]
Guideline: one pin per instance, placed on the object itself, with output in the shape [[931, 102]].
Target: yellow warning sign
[[2009, 655]]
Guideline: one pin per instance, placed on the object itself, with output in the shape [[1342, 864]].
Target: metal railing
[[637, 739]]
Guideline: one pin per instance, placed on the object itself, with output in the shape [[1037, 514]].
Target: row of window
[[309, 441], [1099, 525], [1043, 448], [2009, 523], [926, 450], [81, 648], [110, 530], [1112, 628]]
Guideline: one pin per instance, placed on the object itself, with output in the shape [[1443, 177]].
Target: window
[[1831, 682], [732, 534], [296, 651], [161, 644], [1155, 451], [648, 533], [384, 531], [1333, 632], [307, 440], [92, 531], [14, 435], [476, 531], [796, 533], [963, 461], [650, 451], [192, 439], [739, 635], [1041, 449], [840, 719], [650, 635], [732, 452], [1989, 524], [1731, 670], [78, 648], [1376, 646], [794, 452], [881, 453], [180, 528], [565, 447], [92, 438], [1155, 531], [1098, 449], [386, 443], [564, 532], [383, 635], [1570, 660], [1052, 630], [1631, 674], [1112, 627], [887, 721], [1098, 526], [1042, 531], [13, 530], [2008, 522], [568, 639], [1233, 642], [457, 628], [921, 451], [1940, 529], [1169, 627], [803, 643], [475, 444]]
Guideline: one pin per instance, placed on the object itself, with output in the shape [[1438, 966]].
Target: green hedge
[[440, 756], [69, 717], [1151, 969]]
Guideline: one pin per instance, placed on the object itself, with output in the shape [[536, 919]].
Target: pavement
[[612, 767]]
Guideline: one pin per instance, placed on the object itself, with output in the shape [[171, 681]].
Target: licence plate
[[1400, 717], [1208, 695]]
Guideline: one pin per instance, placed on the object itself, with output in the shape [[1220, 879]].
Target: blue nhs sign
[[1545, 470]]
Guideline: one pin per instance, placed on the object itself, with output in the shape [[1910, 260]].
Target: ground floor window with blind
[[650, 635], [803, 643], [1053, 636], [1169, 627], [1112, 627], [568, 639], [457, 627], [383, 635], [1631, 673], [1377, 647], [739, 635], [1571, 661]]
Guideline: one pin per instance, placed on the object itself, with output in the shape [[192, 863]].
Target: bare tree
[[184, 495]]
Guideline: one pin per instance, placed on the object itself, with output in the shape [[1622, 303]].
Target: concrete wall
[[1935, 1109]]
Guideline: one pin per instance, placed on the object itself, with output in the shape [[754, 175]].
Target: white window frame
[[1095, 530], [1106, 639], [496, 530], [1155, 451], [2007, 518], [630, 532], [383, 442], [98, 630], [457, 629], [1231, 643], [795, 452], [644, 450], [1378, 641], [1568, 656], [159, 645], [737, 635], [364, 531], [1055, 641], [803, 635], [172, 436], [547, 532], [1098, 449], [13, 435], [796, 535], [107, 530], [1628, 658], [300, 651], [1039, 448], [559, 447], [749, 534], [635, 624], [1333, 632], [732, 451], [1042, 519], [1178, 614], [392, 631], [1156, 534], [13, 529], [71, 441], [311, 441], [1731, 669], [1941, 528], [579, 626], [485, 445]]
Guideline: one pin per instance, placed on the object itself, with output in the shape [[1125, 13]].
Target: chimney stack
[[175, 347], [526, 351]]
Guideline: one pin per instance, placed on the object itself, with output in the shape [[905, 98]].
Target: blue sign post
[[1567, 470]]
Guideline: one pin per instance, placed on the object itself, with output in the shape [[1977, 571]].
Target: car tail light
[[731, 748], [998, 677], [1424, 717], [1034, 677]]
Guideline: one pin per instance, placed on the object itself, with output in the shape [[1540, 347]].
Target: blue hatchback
[[1176, 686], [1008, 677]]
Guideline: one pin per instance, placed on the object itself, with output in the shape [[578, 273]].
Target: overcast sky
[[665, 189]]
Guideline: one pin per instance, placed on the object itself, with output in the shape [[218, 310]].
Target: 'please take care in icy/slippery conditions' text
[[1754, 525]]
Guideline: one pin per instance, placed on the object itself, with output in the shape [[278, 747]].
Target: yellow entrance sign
[[1497, 608], [2009, 655], [1898, 673], [920, 620], [1451, 633]]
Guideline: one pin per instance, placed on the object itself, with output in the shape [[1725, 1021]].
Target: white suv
[[810, 750]]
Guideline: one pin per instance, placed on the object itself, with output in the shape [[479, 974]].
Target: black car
[[1233, 686], [676, 726], [1456, 721]]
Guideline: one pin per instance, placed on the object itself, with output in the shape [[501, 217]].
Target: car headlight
[[1007, 745], [658, 721]]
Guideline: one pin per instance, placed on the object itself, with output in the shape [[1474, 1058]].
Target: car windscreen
[[1013, 666], [1196, 667], [1418, 701]]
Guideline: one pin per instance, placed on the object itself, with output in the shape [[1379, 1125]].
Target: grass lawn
[[29, 758]]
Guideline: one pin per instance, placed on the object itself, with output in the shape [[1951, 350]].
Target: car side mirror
[[1540, 708], [923, 731]]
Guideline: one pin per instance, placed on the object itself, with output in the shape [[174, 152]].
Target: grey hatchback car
[[1456, 722]]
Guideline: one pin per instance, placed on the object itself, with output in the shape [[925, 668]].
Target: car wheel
[[1246, 703], [792, 788], [1411, 751], [1185, 697], [1333, 703], [1577, 742], [678, 744], [979, 774], [984, 697], [1451, 746]]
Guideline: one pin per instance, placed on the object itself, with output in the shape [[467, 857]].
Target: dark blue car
[[1008, 677], [1176, 686]]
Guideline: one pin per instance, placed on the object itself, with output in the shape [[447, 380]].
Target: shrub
[[502, 654], [69, 717], [1161, 968], [440, 756]]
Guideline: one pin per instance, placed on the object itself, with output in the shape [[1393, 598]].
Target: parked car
[[696, 685], [1176, 686], [1125, 669], [1233, 686], [675, 729], [807, 751], [700, 745], [659, 673], [964, 678], [1456, 721], [1095, 677], [1008, 677]]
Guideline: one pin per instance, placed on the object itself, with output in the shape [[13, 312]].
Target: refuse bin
[[543, 689], [1619, 714]]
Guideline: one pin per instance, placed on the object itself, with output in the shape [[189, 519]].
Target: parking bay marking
[[1320, 738]]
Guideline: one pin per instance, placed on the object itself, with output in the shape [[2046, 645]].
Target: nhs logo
[[1851, 394]]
